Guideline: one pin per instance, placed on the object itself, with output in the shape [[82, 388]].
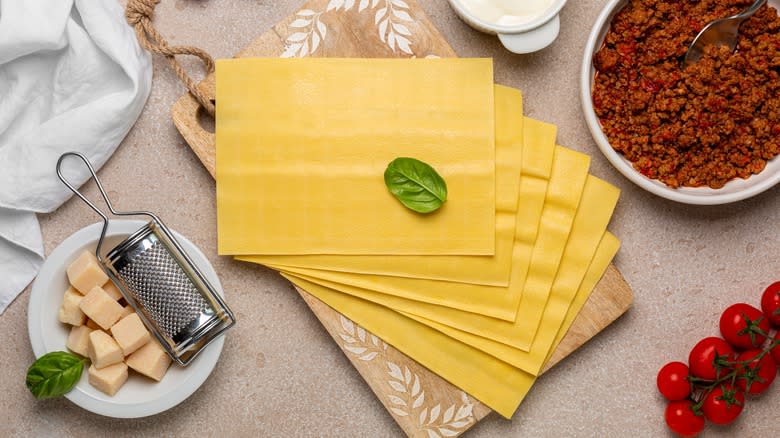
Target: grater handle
[[93, 206]]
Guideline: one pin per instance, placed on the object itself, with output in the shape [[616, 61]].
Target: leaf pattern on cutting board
[[406, 395], [309, 31]]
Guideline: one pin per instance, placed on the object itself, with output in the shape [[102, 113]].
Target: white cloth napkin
[[72, 77]]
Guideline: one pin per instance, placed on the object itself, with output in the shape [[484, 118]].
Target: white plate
[[735, 190], [140, 396]]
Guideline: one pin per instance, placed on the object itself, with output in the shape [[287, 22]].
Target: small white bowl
[[735, 190], [139, 397], [523, 38]]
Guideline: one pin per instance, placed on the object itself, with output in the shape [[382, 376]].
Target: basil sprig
[[415, 184], [54, 374]]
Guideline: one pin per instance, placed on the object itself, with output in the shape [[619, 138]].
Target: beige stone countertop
[[281, 374]]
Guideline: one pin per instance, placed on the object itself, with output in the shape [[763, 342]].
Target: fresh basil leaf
[[415, 184], [54, 374]]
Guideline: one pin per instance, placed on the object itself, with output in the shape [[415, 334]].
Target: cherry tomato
[[770, 303], [702, 357], [673, 381], [682, 420], [760, 375], [742, 324], [723, 404]]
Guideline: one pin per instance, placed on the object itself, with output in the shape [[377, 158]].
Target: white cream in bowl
[[507, 12], [522, 26]]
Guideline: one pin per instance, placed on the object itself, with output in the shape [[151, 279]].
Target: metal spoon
[[720, 32]]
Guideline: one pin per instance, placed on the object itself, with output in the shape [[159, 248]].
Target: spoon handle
[[752, 9]]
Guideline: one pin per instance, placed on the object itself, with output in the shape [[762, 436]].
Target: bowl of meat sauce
[[706, 134]]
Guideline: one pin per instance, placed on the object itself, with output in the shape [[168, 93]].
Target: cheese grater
[[156, 276]]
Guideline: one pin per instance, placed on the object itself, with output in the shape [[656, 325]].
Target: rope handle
[[139, 14]]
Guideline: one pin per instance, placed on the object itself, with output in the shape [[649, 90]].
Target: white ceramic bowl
[[524, 38], [733, 191], [139, 397]]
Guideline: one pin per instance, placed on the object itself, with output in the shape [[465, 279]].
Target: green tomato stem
[[736, 366]]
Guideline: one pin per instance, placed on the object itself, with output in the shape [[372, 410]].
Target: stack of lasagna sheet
[[480, 291]]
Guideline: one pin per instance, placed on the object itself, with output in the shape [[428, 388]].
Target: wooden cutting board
[[423, 404]]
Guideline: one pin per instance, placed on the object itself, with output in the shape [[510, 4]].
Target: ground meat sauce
[[697, 126]]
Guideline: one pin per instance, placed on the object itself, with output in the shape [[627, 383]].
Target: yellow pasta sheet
[[457, 303], [302, 146], [491, 270], [606, 251], [490, 380], [589, 227]]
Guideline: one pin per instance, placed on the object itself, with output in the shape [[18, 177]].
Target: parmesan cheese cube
[[78, 340], [151, 360], [70, 309], [85, 273], [103, 349], [101, 308], [92, 324], [112, 290], [108, 379], [130, 333]]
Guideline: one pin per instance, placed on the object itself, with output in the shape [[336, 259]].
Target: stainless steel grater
[[156, 276]]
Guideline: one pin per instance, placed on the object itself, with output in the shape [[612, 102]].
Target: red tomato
[[673, 381], [770, 303], [742, 324], [723, 404], [682, 420], [702, 357], [761, 372]]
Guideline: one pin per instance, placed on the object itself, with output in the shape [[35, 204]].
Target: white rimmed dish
[[735, 190], [522, 38], [139, 397]]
